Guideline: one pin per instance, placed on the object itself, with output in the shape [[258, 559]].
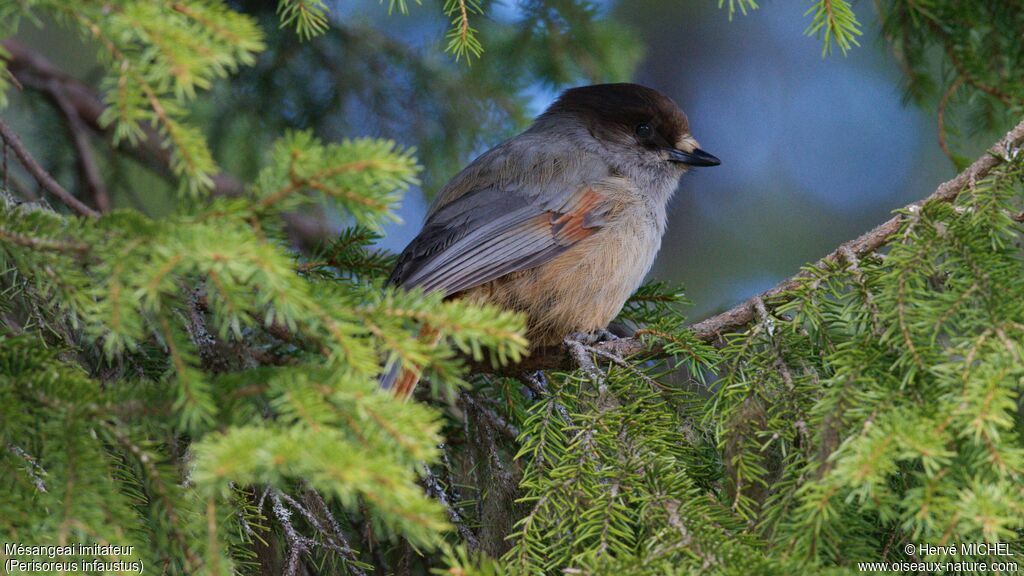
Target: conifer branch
[[42, 176], [495, 420], [35, 472], [87, 161], [946, 95], [462, 40], [835, 20], [183, 384], [742, 314], [742, 6], [437, 491], [38, 73], [963, 72], [43, 243]]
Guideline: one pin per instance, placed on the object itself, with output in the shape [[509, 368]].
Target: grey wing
[[489, 233]]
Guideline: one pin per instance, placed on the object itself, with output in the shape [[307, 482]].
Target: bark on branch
[[9, 138]]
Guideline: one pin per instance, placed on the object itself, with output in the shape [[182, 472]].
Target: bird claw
[[592, 338]]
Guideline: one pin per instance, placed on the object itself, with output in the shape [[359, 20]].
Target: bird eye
[[643, 130]]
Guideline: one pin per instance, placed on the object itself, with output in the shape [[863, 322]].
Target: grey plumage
[[563, 221]]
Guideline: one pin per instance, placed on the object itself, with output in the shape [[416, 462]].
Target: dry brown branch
[[36, 72], [87, 165], [42, 176]]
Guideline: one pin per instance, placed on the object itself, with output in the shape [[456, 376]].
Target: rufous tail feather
[[402, 381]]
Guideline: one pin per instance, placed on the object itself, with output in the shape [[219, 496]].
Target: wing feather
[[489, 233]]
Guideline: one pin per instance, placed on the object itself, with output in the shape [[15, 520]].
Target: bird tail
[[402, 381]]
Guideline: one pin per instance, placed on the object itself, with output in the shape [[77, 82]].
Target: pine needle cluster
[[213, 365]]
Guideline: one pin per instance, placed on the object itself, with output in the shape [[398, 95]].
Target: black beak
[[696, 158]]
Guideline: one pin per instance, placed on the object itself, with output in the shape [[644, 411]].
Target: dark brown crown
[[623, 107]]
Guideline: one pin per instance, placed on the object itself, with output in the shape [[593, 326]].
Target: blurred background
[[815, 150]]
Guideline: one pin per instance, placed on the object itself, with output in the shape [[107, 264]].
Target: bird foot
[[592, 338]]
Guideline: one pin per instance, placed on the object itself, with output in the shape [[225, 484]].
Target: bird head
[[632, 126]]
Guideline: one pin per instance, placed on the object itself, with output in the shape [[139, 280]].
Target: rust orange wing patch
[[580, 221]]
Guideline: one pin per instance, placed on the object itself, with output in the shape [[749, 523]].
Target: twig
[[79, 248], [297, 544], [763, 317], [858, 278], [38, 73], [621, 362], [963, 71], [708, 559], [463, 22], [34, 470], [942, 114], [437, 491], [537, 382], [159, 488], [87, 162], [42, 176], [581, 356], [337, 533], [494, 419]]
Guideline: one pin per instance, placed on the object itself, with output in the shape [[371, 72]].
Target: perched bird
[[561, 222]]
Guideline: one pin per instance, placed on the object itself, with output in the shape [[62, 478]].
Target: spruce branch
[[88, 166], [35, 71], [332, 537], [190, 157], [35, 472], [38, 73], [836, 22], [462, 39], [742, 6], [872, 240], [963, 72], [308, 17], [42, 176], [42, 243], [162, 491], [494, 420], [853, 263], [943, 102], [435, 489]]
